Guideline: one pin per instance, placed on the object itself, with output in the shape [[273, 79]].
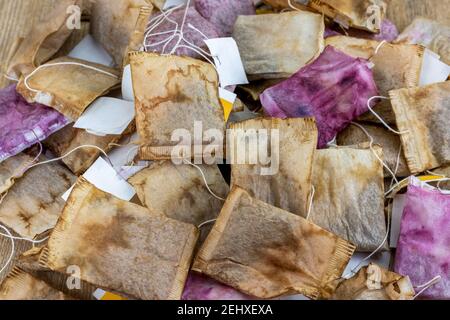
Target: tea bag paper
[[89, 50]]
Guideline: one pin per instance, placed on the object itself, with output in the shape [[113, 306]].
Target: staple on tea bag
[[277, 45], [285, 180], [267, 252]]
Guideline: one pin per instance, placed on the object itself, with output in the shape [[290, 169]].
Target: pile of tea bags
[[233, 149]]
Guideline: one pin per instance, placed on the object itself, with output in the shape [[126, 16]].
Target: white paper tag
[[127, 172], [397, 212], [107, 116], [381, 259], [90, 50], [433, 69], [173, 3], [227, 99], [228, 61], [105, 178], [127, 84]]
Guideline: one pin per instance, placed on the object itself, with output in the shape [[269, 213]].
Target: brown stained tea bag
[[375, 283], [391, 144], [349, 195], [267, 252], [44, 39], [360, 14], [278, 45], [288, 184], [114, 23], [422, 116], [33, 204], [120, 245], [69, 87], [172, 93], [12, 169], [179, 191], [396, 66], [443, 171]]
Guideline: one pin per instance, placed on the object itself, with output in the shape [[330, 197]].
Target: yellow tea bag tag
[[100, 294], [227, 99]]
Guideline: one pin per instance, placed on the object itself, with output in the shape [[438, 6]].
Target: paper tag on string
[[227, 100], [397, 212], [100, 294], [228, 61], [173, 3], [90, 50], [127, 84], [433, 69]]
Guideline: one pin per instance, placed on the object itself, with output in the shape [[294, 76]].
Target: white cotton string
[[64, 64], [195, 29], [204, 179], [379, 46], [292, 6], [205, 223], [10, 78], [11, 256], [381, 119], [397, 164], [427, 285], [313, 192], [24, 239]]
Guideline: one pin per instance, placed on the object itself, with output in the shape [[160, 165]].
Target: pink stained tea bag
[[334, 89], [423, 247], [223, 14], [23, 124]]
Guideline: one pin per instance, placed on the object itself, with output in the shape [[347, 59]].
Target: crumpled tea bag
[[12, 169], [375, 283], [113, 24], [422, 115], [179, 192], [160, 40], [182, 91], [23, 124], [349, 195], [443, 171], [120, 245], [360, 14], [199, 287], [390, 143], [69, 85], [430, 34], [422, 249], [267, 252], [44, 40], [33, 204], [223, 14], [388, 32], [277, 45], [334, 89], [287, 183]]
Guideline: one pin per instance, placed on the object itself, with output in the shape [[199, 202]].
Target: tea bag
[[68, 85], [43, 41], [360, 14], [422, 249], [349, 195], [199, 287], [12, 169], [267, 252], [422, 116], [121, 246], [277, 45], [223, 14], [23, 124], [113, 24], [334, 88], [285, 182], [388, 32], [179, 192], [375, 283], [443, 171], [33, 204], [391, 144], [189, 94], [430, 34]]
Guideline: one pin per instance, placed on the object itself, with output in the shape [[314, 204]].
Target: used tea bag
[[267, 252], [390, 143], [182, 91], [44, 40], [223, 14], [375, 283], [277, 45], [334, 89], [430, 34], [121, 246], [113, 24], [12, 169], [33, 204], [23, 124], [360, 14], [422, 116], [422, 249], [285, 182], [349, 195], [179, 191], [443, 171], [388, 32], [68, 85]]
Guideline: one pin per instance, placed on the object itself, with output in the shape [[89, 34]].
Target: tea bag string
[[381, 119], [427, 285], [10, 78], [64, 64], [379, 47], [313, 192]]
